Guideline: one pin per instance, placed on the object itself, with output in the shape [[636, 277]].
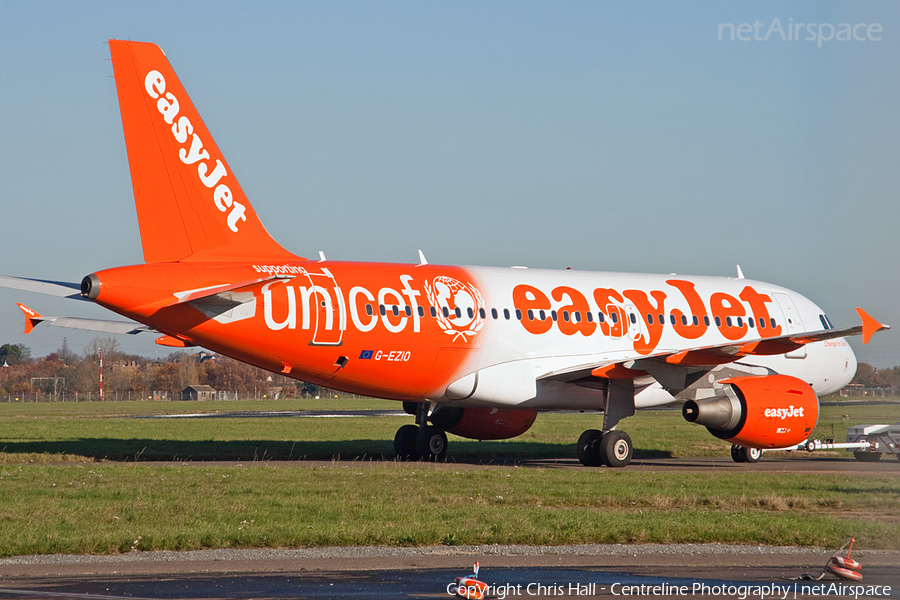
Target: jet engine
[[774, 411], [483, 423]]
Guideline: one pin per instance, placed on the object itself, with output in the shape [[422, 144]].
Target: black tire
[[736, 454], [589, 448], [616, 449], [405, 442], [867, 456], [431, 444], [753, 455]]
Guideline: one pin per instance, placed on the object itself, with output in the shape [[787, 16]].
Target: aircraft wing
[[62, 289], [673, 369], [32, 318]]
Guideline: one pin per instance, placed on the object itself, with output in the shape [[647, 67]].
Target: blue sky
[[602, 136]]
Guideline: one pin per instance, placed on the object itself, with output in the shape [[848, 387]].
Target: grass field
[[64, 487]]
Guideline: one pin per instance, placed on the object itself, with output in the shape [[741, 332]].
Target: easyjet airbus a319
[[473, 351]]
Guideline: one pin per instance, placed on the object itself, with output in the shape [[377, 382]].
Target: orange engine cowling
[[483, 423], [774, 411]]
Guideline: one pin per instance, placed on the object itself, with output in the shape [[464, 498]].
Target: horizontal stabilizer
[[206, 292], [32, 318], [61, 289]]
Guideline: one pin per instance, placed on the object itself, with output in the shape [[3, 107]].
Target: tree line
[[67, 375]]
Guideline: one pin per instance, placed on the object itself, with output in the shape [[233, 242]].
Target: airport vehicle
[[472, 351], [868, 442], [469, 587]]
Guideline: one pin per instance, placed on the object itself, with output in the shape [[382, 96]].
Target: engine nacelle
[[775, 411], [483, 423]]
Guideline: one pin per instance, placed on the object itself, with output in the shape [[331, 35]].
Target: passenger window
[[632, 318], [481, 312], [553, 314], [684, 319], [566, 316], [649, 319], [695, 320], [381, 309], [433, 312], [369, 310], [706, 320], [421, 311], [396, 310], [751, 323], [772, 321], [590, 317], [494, 314], [543, 315], [470, 312], [762, 323], [409, 311], [446, 312], [718, 322], [506, 314], [518, 314], [672, 319], [614, 317], [728, 321], [530, 315], [601, 317], [662, 320], [458, 312]]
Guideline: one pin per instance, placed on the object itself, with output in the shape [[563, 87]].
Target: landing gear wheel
[[589, 448], [431, 444], [867, 456], [616, 449], [405, 442], [745, 455], [753, 454]]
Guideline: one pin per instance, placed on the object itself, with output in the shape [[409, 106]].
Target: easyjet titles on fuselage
[[459, 308]]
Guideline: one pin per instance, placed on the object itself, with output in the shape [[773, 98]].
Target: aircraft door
[[618, 321], [789, 309], [326, 309], [634, 322]]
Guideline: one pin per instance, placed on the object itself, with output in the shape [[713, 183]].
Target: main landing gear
[[741, 454], [610, 447], [421, 441]]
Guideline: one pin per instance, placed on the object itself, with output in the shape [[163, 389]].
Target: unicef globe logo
[[458, 306]]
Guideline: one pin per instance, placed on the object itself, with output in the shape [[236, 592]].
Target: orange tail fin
[[190, 205]]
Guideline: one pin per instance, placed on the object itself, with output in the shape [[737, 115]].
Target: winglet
[[32, 317], [870, 326]]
